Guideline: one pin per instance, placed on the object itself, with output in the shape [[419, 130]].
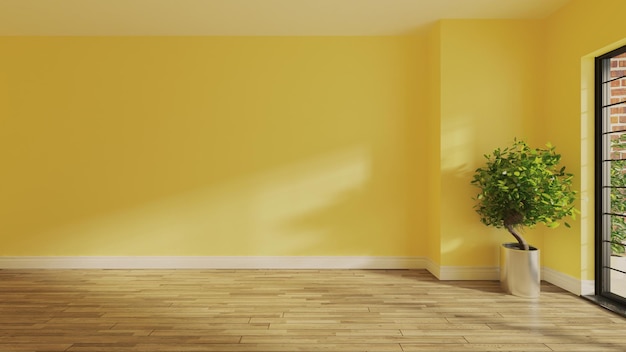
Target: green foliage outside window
[[618, 197]]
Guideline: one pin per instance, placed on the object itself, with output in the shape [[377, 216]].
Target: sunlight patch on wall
[[457, 143], [302, 189], [254, 215]]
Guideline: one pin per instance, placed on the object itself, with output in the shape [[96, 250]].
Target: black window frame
[[603, 294]]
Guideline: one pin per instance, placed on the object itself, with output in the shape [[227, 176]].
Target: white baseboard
[[212, 262], [433, 268], [564, 281], [569, 283], [588, 288], [554, 277]]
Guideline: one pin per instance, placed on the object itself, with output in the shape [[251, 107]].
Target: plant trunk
[[522, 242]]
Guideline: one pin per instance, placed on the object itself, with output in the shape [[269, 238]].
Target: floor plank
[[289, 310]]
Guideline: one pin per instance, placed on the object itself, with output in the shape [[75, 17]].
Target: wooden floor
[[286, 310]]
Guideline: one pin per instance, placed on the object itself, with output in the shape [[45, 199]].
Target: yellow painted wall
[[489, 77], [293, 146], [418, 150], [573, 37], [501, 79], [531, 79], [433, 127], [211, 146]]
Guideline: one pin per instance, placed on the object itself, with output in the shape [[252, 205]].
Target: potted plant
[[523, 186]]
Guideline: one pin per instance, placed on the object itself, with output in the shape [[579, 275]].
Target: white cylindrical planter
[[520, 270]]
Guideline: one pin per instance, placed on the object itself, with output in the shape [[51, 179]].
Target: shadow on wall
[[322, 206]]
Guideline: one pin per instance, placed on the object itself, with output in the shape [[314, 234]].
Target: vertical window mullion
[[605, 263]]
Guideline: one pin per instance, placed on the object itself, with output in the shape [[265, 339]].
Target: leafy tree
[[522, 186]]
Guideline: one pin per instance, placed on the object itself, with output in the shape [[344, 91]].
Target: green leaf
[[527, 185]]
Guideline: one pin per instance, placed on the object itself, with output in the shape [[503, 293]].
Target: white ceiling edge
[[250, 17]]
